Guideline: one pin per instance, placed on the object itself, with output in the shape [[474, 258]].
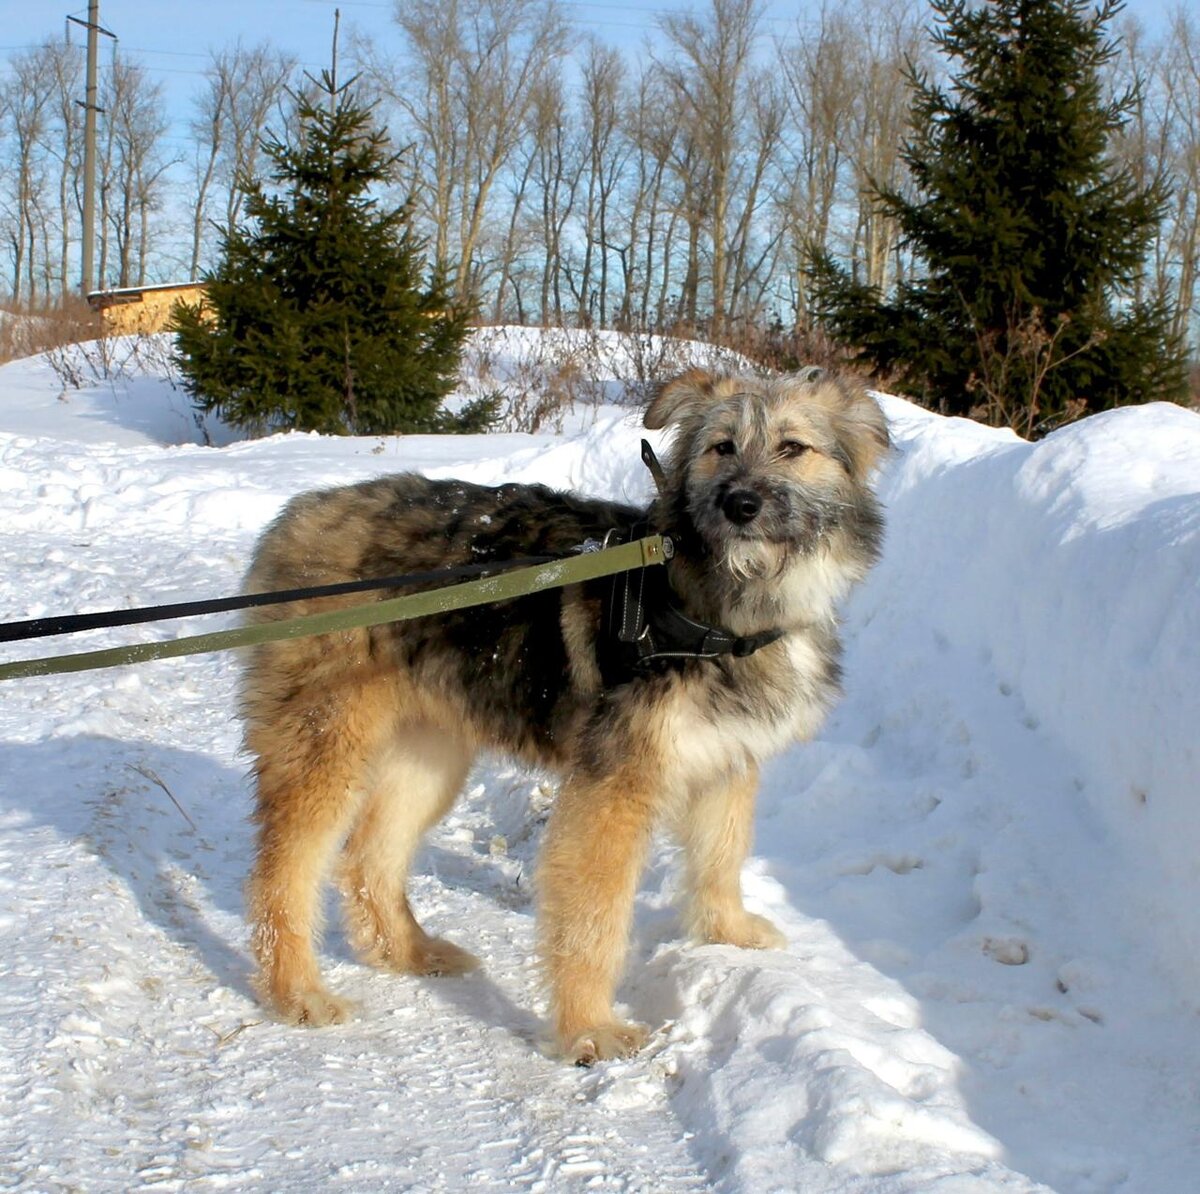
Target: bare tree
[[754, 242], [26, 105], [848, 113], [819, 83], [556, 177], [891, 37], [133, 168], [471, 74], [1182, 100], [606, 154], [710, 73], [1161, 140], [1141, 144], [645, 222], [243, 86], [511, 269], [66, 144]]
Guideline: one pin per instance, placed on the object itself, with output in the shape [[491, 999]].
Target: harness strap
[[646, 629]]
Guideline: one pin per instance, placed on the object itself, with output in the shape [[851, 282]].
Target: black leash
[[12, 632]]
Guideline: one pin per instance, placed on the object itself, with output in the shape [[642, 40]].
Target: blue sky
[[171, 39]]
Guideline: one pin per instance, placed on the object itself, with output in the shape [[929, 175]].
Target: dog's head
[[771, 470]]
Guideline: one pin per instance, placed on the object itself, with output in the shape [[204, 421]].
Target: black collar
[[643, 629]]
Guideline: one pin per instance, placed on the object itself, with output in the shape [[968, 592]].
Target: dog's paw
[[604, 1042], [748, 931], [437, 957], [316, 1008]]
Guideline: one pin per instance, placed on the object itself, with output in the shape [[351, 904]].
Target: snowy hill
[[988, 865]]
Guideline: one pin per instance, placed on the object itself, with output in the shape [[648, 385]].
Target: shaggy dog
[[362, 739]]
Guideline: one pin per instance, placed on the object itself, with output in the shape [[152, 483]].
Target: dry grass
[[26, 330]]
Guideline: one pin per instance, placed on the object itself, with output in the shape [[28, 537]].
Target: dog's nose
[[741, 506]]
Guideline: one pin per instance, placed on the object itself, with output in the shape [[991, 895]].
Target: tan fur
[[362, 740]]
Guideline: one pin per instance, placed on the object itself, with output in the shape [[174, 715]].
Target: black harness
[[645, 631]]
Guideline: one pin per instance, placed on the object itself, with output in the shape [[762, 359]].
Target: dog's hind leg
[[412, 783], [595, 845], [715, 827], [309, 766]]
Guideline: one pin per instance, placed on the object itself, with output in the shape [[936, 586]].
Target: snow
[[987, 865]]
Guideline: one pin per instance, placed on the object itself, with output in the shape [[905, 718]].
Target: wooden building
[[133, 309]]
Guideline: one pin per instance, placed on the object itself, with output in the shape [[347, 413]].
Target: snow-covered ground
[[988, 865]]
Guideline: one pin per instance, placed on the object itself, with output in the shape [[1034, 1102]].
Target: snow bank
[[1070, 572], [985, 865]]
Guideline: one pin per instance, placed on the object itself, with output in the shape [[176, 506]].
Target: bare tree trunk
[[709, 72], [649, 150], [135, 166], [473, 69], [509, 253], [603, 77], [1161, 139], [751, 245], [894, 37], [68, 138], [208, 132], [25, 106], [556, 174], [1182, 86]]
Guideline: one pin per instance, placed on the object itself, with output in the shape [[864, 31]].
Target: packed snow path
[[985, 866]]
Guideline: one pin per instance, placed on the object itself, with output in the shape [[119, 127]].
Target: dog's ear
[[861, 428], [677, 397]]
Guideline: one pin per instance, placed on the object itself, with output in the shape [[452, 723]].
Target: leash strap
[[11, 632], [640, 554]]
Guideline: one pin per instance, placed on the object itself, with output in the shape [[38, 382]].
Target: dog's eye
[[725, 448], [791, 448]]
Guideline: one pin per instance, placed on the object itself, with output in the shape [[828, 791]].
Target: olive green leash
[[520, 582]]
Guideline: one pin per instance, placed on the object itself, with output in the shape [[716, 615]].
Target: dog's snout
[[741, 505]]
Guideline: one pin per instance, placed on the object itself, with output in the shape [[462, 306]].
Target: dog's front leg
[[715, 827], [595, 846]]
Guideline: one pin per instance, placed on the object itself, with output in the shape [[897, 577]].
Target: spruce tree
[[1028, 239], [319, 316]]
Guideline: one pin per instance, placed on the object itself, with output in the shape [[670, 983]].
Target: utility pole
[[90, 108]]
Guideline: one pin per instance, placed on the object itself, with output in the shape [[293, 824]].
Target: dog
[[362, 739]]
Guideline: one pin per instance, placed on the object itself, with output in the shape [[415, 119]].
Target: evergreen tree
[[318, 316], [1028, 238]]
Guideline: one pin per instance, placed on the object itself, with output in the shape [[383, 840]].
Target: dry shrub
[[779, 349], [71, 335], [656, 358], [539, 379], [1013, 366], [107, 358], [26, 330]]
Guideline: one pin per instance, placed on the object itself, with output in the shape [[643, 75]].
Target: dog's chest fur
[[738, 713]]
